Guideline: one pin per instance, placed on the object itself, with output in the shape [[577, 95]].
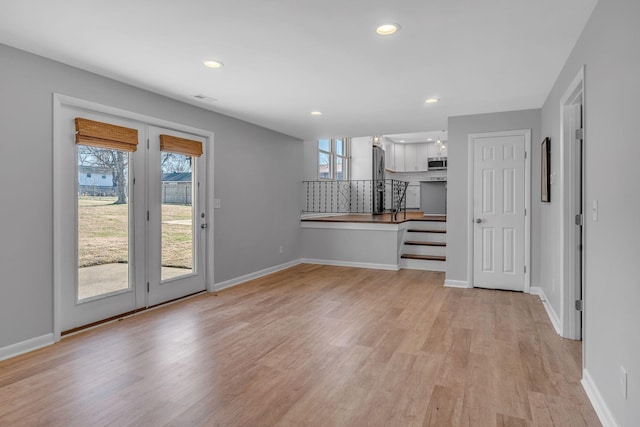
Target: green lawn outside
[[103, 238]]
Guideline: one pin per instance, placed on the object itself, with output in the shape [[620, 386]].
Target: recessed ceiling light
[[430, 139], [432, 101], [212, 63], [387, 29], [316, 113]]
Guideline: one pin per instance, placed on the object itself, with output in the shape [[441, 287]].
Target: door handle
[[478, 220]]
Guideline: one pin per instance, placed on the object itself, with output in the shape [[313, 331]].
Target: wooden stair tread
[[414, 242], [424, 257], [413, 230], [434, 218]]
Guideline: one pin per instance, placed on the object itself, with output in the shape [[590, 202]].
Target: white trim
[[553, 316], [210, 241], [571, 318], [322, 215], [526, 133], [370, 265], [238, 280], [462, 284], [370, 226], [602, 410], [26, 346]]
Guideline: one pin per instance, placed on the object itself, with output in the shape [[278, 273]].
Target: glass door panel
[[104, 217], [177, 215]]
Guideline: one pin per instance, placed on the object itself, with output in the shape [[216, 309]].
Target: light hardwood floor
[[311, 346]]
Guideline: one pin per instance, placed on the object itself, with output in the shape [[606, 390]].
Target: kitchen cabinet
[[410, 164], [432, 150], [407, 157], [399, 160], [421, 157], [389, 156], [413, 197]]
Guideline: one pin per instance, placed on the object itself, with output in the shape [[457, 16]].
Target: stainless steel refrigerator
[[378, 184]]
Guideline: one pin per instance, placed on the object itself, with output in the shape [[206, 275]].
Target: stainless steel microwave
[[437, 163]]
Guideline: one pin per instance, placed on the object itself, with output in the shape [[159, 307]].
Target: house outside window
[[333, 159]]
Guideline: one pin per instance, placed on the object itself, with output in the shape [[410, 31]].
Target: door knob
[[478, 220]]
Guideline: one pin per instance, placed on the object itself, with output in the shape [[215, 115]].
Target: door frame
[[60, 233], [526, 133], [572, 328]]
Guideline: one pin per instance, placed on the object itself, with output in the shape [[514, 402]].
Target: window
[[333, 159]]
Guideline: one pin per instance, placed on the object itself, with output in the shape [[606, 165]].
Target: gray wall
[[310, 161], [257, 177], [609, 49], [355, 246], [457, 185]]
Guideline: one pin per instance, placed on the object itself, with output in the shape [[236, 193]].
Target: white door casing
[[499, 190], [572, 164]]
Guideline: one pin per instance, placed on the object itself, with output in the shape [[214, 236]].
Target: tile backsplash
[[414, 177]]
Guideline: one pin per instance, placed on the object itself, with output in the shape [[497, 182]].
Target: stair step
[[413, 242], [424, 257], [438, 218], [415, 230]]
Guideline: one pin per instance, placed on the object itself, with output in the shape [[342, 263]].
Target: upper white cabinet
[[410, 163], [432, 150], [406, 157], [389, 156], [421, 157], [399, 160], [411, 157]]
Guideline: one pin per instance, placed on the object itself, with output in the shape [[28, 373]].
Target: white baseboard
[[374, 266], [462, 284], [238, 280], [553, 316], [26, 346], [601, 408]]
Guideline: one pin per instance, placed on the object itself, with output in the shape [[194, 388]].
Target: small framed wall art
[[545, 170]]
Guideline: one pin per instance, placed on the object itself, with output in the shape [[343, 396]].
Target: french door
[[130, 218], [177, 216]]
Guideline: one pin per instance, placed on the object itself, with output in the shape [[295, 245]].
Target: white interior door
[[499, 211], [177, 219]]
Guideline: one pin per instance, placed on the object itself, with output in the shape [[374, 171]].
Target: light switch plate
[[216, 203]]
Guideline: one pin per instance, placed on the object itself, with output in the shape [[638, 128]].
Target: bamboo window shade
[[104, 135], [187, 147]]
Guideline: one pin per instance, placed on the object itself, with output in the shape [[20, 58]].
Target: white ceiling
[[285, 58]]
